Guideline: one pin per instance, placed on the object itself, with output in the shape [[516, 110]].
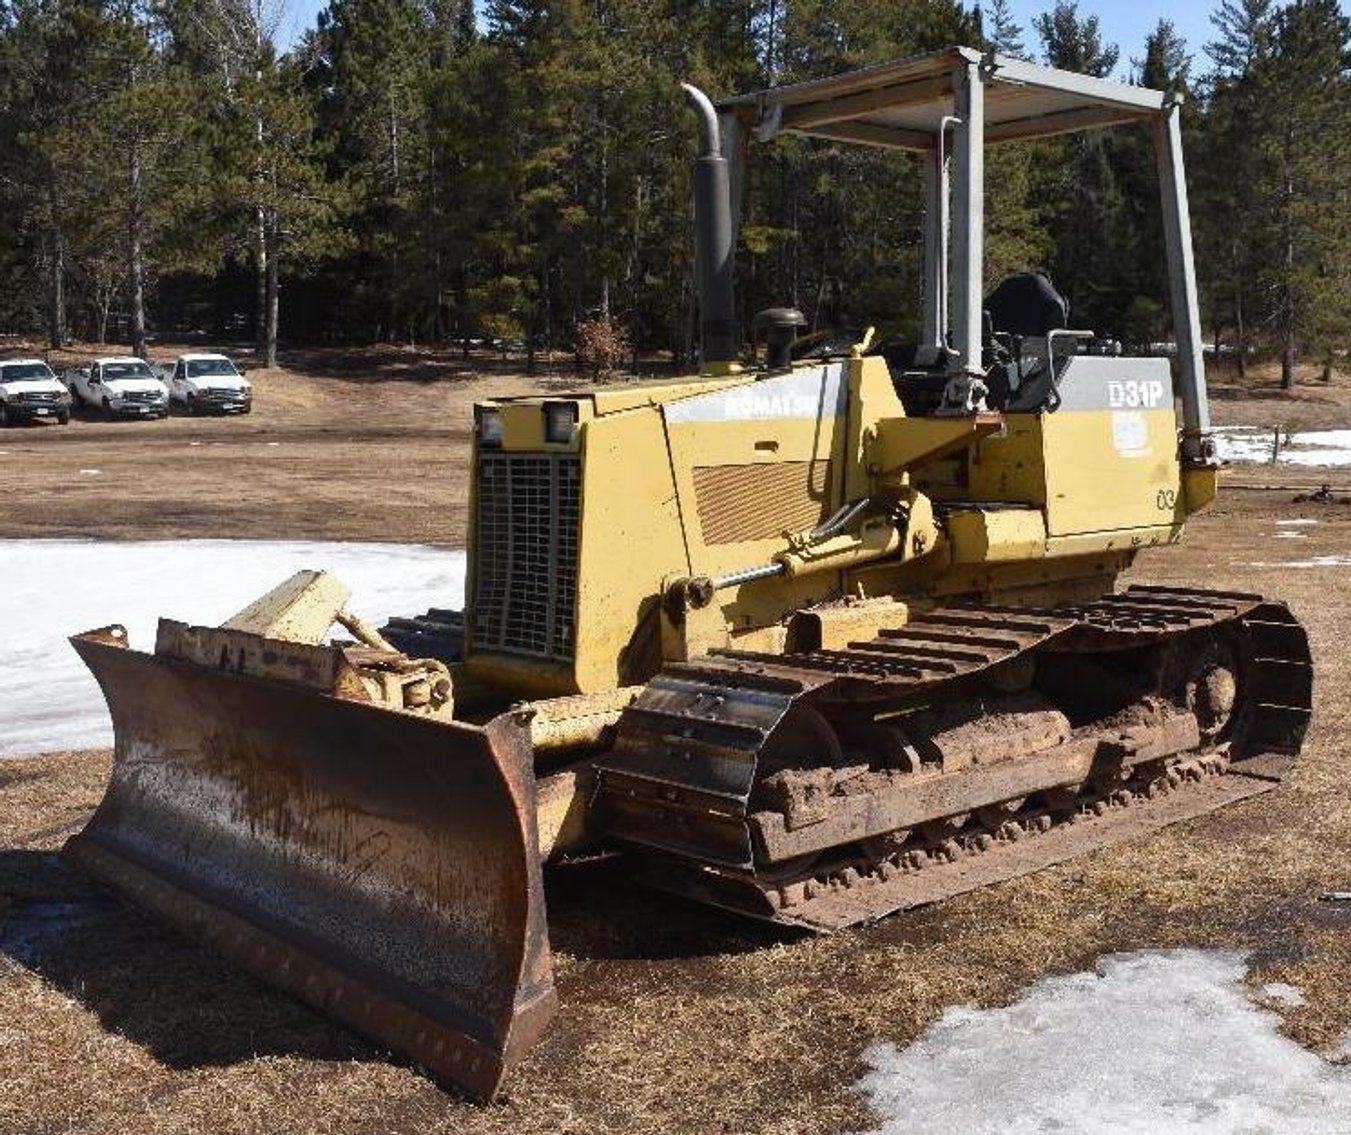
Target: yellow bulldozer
[[814, 639]]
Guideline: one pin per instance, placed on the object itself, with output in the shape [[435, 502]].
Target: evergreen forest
[[518, 172]]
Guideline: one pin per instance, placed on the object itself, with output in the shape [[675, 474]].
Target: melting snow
[[1281, 993], [1249, 445], [1159, 1042], [1316, 562], [1299, 523], [55, 588]]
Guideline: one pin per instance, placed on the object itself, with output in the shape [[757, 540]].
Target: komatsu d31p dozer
[[813, 641]]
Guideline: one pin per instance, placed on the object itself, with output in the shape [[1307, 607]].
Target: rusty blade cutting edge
[[382, 866]]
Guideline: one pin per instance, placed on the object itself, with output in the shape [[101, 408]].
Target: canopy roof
[[903, 103]]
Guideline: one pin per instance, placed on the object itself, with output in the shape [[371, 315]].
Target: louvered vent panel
[[756, 502]]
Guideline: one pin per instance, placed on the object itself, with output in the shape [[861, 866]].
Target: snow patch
[[1300, 523], [1280, 994], [1153, 1042], [1251, 445], [1316, 562], [91, 472], [55, 588], [1291, 536]]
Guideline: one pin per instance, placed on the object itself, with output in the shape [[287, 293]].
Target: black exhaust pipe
[[720, 336]]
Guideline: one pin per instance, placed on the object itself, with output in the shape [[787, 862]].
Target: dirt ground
[[368, 445], [674, 1018]]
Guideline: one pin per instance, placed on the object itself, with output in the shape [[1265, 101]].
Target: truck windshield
[[127, 370], [201, 368], [22, 372]]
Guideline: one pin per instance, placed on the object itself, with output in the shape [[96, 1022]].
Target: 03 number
[[1166, 500]]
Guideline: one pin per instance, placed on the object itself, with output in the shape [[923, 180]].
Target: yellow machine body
[[814, 642], [703, 479]]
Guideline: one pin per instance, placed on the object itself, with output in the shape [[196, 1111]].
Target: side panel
[[753, 463], [1111, 450], [631, 540]]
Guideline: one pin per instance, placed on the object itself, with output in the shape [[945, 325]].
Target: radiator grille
[[757, 502], [525, 548]]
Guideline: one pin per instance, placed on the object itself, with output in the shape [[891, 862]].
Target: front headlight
[[488, 422], [560, 419]]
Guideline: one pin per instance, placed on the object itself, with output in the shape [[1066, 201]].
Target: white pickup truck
[[121, 387], [210, 384], [29, 391]]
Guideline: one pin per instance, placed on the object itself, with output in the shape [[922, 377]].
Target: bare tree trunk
[[260, 270], [272, 307], [136, 249], [260, 257], [56, 291], [105, 306], [1240, 326], [1288, 300]]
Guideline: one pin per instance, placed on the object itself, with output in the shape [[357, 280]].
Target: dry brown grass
[[1258, 400], [675, 1018], [364, 445]]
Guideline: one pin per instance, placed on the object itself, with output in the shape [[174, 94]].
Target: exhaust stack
[[720, 335]]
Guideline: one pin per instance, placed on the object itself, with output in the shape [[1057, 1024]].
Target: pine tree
[[1244, 30], [1230, 242], [1001, 30], [1304, 179], [1075, 44], [1084, 207]]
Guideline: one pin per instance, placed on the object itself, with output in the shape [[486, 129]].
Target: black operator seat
[[1023, 307], [1027, 305]]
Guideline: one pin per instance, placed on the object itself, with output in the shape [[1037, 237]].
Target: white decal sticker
[[1130, 433], [1135, 393], [815, 393]]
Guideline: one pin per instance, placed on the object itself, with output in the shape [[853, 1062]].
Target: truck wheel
[[191, 403], [63, 418], [5, 421], [107, 411]]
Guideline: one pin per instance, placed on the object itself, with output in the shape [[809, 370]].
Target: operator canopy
[[904, 103]]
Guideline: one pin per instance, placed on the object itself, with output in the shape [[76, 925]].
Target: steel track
[[677, 790]]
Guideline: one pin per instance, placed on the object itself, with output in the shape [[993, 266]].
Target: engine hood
[[14, 386], [232, 382], [134, 386]]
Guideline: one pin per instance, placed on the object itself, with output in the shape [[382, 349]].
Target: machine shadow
[[181, 1002], [597, 911], [191, 1009]]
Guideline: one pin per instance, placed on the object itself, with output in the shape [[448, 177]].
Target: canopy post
[[1182, 284], [969, 220], [933, 335]]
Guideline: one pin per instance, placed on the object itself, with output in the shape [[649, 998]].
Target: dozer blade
[[381, 865]]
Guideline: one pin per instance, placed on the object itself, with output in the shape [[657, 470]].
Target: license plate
[[42, 410], [145, 410], [232, 406]]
